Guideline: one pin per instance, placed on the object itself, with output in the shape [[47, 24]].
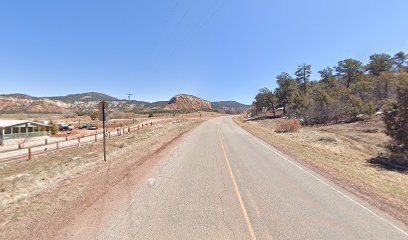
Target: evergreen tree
[[399, 59], [379, 63], [287, 86], [303, 76], [349, 69], [396, 119], [327, 77]]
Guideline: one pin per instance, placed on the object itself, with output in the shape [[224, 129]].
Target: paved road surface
[[222, 183]]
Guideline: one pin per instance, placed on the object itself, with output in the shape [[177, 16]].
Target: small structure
[[11, 129]]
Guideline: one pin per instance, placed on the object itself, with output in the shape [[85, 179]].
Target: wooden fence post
[[79, 141], [57, 145], [96, 137], [29, 154], [46, 142]]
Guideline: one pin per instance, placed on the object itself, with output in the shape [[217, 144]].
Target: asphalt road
[[222, 183]]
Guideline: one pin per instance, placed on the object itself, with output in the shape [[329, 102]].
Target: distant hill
[[84, 97], [87, 102], [18, 95], [157, 104], [229, 105], [187, 102]]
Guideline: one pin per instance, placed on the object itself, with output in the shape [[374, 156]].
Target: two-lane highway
[[222, 183]]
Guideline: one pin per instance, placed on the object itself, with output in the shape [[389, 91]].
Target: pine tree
[[350, 69], [303, 76]]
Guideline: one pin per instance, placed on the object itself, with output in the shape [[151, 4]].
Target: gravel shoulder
[[342, 153], [40, 197]]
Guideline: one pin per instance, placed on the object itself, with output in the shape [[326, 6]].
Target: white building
[[10, 129]]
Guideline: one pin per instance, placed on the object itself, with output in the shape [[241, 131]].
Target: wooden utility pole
[[103, 116]]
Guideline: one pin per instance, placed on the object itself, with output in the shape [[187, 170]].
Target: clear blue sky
[[215, 49]]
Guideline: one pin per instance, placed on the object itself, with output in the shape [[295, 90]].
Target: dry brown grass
[[291, 125], [341, 153]]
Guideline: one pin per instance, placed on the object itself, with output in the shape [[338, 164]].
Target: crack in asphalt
[[219, 196]]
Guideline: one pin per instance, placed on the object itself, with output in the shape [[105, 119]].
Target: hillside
[[158, 104], [187, 102], [229, 105], [19, 103], [84, 97]]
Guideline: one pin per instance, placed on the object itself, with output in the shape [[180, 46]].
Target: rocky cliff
[[187, 102]]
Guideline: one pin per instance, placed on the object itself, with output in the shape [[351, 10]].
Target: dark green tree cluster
[[344, 92], [396, 121]]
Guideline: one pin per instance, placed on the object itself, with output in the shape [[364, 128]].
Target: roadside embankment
[[341, 153]]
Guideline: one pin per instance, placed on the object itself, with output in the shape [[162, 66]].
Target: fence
[[23, 152], [36, 143]]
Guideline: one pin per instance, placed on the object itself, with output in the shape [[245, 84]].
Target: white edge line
[[328, 185]]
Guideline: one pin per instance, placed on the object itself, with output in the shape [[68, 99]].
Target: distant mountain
[[229, 105], [18, 95], [157, 104], [87, 102], [84, 97]]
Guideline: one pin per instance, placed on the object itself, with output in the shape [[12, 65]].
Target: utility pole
[[130, 108], [103, 116], [129, 94]]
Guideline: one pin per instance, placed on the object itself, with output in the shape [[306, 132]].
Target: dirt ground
[[39, 197], [341, 152]]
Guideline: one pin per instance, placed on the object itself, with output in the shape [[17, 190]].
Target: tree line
[[343, 92]]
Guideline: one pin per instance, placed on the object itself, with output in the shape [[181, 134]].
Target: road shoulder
[[307, 155]]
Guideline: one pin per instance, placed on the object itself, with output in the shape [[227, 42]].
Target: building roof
[[11, 123]]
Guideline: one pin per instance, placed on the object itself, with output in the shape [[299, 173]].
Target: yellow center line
[[241, 202], [252, 201]]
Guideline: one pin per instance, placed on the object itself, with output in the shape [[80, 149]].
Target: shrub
[[151, 115], [94, 115], [54, 127], [396, 121], [291, 125]]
